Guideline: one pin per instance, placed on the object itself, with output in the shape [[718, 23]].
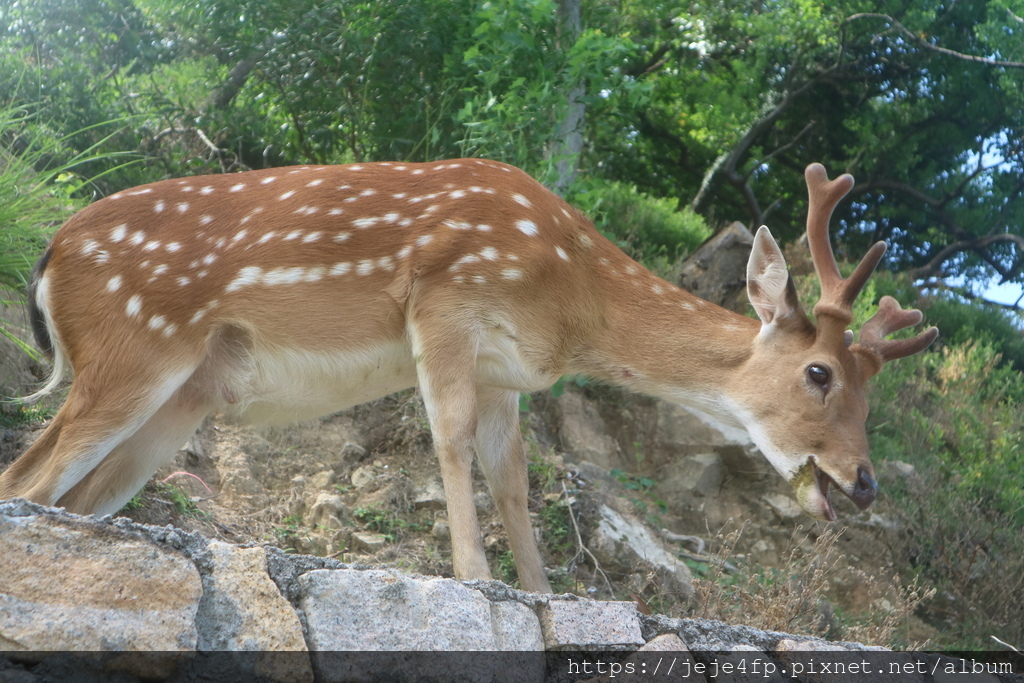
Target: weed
[[287, 531], [791, 597], [383, 522], [181, 500]]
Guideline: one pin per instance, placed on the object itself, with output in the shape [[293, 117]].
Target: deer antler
[[890, 318], [837, 294]]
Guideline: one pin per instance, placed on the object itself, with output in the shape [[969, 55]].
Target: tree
[[925, 110]]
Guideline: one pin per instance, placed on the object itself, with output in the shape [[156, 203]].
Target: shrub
[[650, 229]]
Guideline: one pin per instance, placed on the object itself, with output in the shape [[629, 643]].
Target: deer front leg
[[445, 367], [499, 445]]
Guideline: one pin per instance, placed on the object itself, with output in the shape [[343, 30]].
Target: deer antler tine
[[824, 195], [837, 294], [891, 318]]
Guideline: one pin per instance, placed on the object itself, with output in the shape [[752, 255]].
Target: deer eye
[[820, 375]]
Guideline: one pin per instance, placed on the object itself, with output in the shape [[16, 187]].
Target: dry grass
[[793, 596]]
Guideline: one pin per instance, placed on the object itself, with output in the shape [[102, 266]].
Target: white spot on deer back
[[119, 233], [250, 275], [114, 283], [341, 268], [528, 227], [561, 253], [520, 199], [489, 253], [284, 276], [134, 306]]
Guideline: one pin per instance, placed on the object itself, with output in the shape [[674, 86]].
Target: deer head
[[803, 396]]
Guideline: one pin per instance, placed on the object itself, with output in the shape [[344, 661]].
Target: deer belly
[[288, 385]]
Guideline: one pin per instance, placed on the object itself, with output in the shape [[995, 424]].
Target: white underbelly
[[287, 385]]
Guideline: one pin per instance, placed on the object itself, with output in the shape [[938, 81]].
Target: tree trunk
[[568, 143]]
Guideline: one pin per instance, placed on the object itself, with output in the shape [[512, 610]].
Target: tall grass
[[39, 189]]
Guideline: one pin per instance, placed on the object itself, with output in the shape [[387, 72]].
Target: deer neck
[[672, 345]]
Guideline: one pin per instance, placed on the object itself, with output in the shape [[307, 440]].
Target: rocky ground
[[630, 498]]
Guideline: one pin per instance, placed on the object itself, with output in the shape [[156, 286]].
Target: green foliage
[[650, 229], [962, 323], [181, 500], [384, 522], [32, 202], [556, 526]]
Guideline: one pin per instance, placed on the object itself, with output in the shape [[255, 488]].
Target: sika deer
[[290, 293]]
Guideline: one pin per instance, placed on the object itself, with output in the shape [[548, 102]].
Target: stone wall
[[139, 602]]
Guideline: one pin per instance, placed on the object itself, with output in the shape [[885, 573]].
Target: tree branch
[[979, 245], [935, 48]]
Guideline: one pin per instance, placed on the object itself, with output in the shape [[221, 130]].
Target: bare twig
[[579, 541], [185, 474]]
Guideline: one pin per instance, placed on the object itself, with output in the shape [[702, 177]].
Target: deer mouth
[[812, 487]]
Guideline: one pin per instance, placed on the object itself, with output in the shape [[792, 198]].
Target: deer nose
[[865, 490]]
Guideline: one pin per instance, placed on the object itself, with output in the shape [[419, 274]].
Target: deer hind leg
[[499, 445], [99, 414], [108, 487]]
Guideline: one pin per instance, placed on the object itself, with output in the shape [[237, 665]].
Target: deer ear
[[768, 282]]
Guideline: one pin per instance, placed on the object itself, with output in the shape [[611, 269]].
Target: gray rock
[[697, 475], [583, 432], [73, 583], [622, 541], [242, 609], [386, 610], [590, 624]]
